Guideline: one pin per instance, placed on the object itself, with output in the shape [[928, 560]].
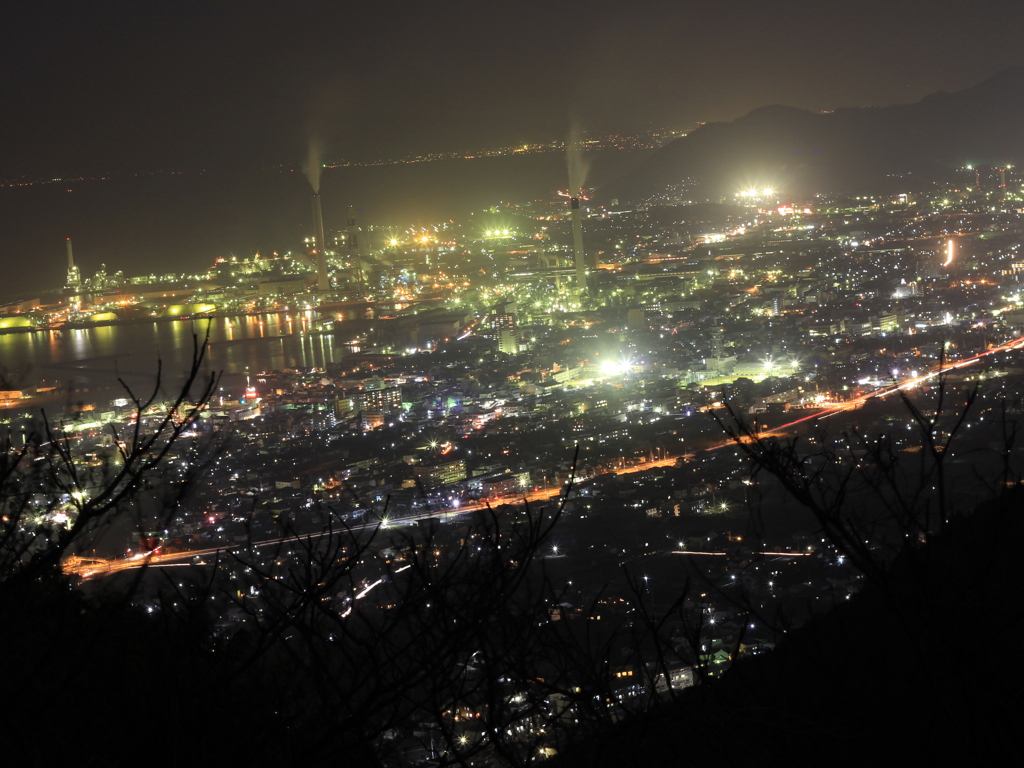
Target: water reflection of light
[[132, 351], [104, 340], [80, 346]]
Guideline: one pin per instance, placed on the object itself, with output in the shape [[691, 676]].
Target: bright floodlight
[[613, 367], [768, 191]]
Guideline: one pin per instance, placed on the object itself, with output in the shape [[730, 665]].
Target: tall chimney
[[353, 247], [577, 246], [322, 280], [74, 276]]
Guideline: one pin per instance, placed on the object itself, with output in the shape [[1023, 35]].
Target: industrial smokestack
[[74, 277], [322, 280], [577, 246], [352, 239]]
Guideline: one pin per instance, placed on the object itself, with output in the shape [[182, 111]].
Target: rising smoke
[[314, 165], [576, 159]]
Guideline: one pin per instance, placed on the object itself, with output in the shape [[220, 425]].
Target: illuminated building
[[385, 400], [503, 328], [441, 472]]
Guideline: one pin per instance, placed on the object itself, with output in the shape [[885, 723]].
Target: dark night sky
[[135, 87], [157, 85]]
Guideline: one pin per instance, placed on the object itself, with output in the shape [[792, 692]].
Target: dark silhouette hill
[[922, 667], [801, 152]]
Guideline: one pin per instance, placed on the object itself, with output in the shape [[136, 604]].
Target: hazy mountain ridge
[[800, 152]]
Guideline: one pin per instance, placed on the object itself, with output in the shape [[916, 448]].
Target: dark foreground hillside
[[924, 668]]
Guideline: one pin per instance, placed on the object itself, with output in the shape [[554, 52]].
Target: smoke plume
[[314, 163], [575, 158]]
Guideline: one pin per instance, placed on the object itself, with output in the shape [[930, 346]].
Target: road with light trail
[[94, 567]]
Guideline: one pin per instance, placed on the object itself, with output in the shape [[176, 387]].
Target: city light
[[615, 367], [415, 418]]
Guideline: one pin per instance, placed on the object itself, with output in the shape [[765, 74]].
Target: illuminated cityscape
[[628, 438]]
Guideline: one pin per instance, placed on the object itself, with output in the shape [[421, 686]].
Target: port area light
[[753, 193]]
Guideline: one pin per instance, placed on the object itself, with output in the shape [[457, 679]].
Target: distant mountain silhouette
[[802, 152]]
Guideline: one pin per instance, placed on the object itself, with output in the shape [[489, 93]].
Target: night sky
[[157, 86]]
